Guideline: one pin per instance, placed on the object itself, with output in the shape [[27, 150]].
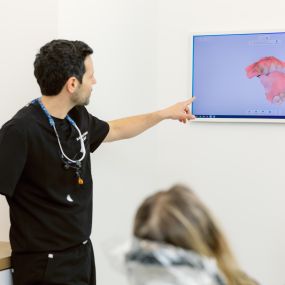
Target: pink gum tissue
[[274, 84], [264, 66], [271, 72]]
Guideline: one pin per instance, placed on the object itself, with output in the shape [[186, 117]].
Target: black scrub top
[[49, 210]]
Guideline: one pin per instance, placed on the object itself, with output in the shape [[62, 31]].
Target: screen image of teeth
[[239, 75]]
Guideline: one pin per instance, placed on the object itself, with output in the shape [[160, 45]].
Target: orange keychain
[[80, 181]]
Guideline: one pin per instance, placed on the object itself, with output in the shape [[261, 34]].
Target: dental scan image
[[239, 76]]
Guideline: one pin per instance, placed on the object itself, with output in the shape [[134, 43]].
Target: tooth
[[282, 96], [276, 100], [265, 70]]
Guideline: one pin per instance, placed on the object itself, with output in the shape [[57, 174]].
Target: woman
[[177, 241]]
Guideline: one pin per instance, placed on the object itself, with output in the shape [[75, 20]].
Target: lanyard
[[52, 124]]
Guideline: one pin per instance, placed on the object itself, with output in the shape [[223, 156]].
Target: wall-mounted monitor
[[239, 77]]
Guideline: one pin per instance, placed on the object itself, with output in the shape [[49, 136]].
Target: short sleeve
[[13, 153], [98, 130]]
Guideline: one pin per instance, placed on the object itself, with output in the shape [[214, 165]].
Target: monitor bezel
[[233, 118]]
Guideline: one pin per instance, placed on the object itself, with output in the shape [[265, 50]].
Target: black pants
[[75, 266]]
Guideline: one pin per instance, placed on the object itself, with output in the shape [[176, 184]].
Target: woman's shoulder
[[157, 263]]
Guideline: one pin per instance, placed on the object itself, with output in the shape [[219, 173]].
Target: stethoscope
[[68, 161]]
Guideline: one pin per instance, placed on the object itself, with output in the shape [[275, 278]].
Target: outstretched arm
[[132, 126]]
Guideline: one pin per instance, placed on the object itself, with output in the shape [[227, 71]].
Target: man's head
[[65, 64]]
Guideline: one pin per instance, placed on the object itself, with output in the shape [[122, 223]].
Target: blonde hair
[[178, 217]]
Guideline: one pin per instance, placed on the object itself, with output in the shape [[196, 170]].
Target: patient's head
[[178, 217]]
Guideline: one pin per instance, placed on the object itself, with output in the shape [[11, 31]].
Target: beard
[[80, 99]]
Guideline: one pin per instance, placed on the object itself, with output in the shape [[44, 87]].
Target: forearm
[[132, 126]]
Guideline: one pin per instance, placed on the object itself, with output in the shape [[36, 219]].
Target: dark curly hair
[[57, 61]]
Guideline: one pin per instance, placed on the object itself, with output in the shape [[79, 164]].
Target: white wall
[[24, 27], [6, 277], [142, 63]]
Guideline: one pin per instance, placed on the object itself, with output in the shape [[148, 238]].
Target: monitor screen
[[239, 76]]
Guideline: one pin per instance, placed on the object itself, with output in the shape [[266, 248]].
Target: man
[[45, 167]]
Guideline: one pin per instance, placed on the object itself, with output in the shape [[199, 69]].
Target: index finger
[[189, 101]]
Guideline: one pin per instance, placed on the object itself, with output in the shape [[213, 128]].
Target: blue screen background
[[219, 81]]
